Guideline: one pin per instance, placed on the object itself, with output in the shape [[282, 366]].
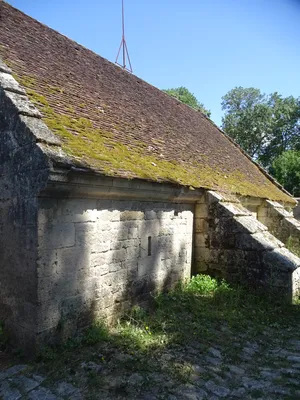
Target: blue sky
[[209, 46]]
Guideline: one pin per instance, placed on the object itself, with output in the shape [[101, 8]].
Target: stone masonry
[[76, 245], [23, 173], [98, 257], [297, 210], [231, 243], [280, 222]]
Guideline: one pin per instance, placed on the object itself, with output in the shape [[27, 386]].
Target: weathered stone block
[[115, 267], [40, 130], [99, 245], [109, 215], [56, 236], [257, 241], [133, 233], [23, 105], [132, 253], [131, 215], [201, 210], [124, 244], [150, 215], [281, 259], [118, 255], [149, 228], [203, 255], [248, 224], [99, 258], [223, 210], [70, 260], [146, 266], [222, 239], [76, 210], [47, 262], [5, 68], [100, 269], [201, 240], [7, 82], [115, 279], [201, 225], [86, 233], [165, 214], [214, 197]]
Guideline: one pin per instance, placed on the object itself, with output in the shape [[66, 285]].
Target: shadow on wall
[[97, 258], [156, 255]]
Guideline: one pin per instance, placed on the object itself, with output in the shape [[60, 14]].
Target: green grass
[[199, 314], [192, 310]]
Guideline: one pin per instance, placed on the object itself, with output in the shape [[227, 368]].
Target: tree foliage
[[263, 125], [185, 96], [286, 169]]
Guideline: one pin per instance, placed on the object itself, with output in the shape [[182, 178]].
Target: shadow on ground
[[198, 341]]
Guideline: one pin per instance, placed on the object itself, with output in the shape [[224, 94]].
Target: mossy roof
[[115, 123]]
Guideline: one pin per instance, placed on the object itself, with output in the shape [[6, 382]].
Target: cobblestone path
[[263, 369]]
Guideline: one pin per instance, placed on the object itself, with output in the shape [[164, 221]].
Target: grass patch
[[193, 310], [199, 314]]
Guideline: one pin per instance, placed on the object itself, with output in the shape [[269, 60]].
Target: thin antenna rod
[[123, 46]]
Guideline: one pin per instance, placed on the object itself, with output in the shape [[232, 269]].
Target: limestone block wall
[[231, 243], [296, 210], [280, 222], [98, 257]]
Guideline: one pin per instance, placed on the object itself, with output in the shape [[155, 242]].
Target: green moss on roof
[[100, 151]]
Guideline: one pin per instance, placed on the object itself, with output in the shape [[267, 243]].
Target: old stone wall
[[98, 257], [280, 222], [296, 210], [23, 172], [231, 243]]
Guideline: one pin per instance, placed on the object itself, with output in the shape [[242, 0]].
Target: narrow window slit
[[149, 246]]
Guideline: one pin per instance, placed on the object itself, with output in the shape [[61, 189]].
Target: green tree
[[263, 125], [286, 169], [185, 96]]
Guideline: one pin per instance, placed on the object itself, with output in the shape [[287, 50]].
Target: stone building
[[111, 190], [297, 209]]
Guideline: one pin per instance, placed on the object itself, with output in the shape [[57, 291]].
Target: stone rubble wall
[[280, 222], [94, 257], [231, 243], [296, 210], [23, 173]]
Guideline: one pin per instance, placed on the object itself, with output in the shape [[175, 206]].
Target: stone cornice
[[79, 183]]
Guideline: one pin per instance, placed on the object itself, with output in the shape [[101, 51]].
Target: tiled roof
[[117, 124]]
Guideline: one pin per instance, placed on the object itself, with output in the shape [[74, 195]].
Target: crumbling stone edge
[[26, 110], [231, 243]]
